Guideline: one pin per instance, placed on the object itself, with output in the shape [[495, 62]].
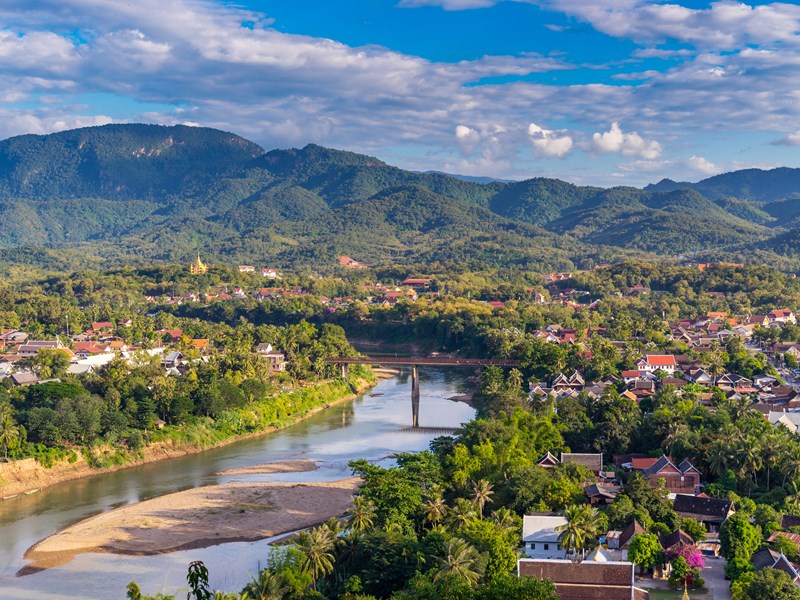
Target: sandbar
[[287, 466], [197, 518]]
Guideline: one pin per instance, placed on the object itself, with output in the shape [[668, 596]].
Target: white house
[[790, 420], [657, 362], [540, 535]]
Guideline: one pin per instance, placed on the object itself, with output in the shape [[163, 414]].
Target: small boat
[[29, 492], [10, 497]]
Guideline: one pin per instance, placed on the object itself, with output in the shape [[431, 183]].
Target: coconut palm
[[461, 560], [9, 431], [435, 510], [361, 513], [515, 379], [719, 456], [462, 512], [714, 365], [581, 527], [316, 546], [481, 495], [505, 519], [267, 586]]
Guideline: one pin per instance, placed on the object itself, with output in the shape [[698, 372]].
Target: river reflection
[[373, 427]]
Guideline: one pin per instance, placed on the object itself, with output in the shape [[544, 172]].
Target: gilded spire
[[198, 267]]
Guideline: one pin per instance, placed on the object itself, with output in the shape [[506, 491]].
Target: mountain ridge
[[185, 188]]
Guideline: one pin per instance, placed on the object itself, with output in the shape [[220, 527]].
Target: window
[[547, 546], [533, 546]]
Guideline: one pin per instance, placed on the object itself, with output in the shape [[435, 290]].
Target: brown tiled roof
[[593, 462], [583, 581]]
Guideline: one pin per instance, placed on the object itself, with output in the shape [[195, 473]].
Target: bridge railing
[[422, 360]]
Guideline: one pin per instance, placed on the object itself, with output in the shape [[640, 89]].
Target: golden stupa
[[198, 267]]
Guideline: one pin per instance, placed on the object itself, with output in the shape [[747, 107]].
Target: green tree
[[481, 495], [695, 529], [50, 363], [316, 546], [738, 538], [9, 430], [737, 567], [580, 529], [645, 551], [461, 560], [766, 584]]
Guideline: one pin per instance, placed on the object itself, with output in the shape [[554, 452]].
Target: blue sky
[[602, 92]]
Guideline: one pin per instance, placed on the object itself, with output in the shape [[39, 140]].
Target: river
[[373, 426]]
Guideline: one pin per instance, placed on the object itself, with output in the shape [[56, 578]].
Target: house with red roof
[[657, 362], [783, 315]]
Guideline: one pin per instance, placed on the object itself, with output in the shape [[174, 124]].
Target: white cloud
[[549, 143], [627, 144], [702, 165], [467, 139], [449, 4], [790, 139]]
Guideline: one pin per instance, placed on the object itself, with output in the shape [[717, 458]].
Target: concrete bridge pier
[[345, 371], [414, 397]]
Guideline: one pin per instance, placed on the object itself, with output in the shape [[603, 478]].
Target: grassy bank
[[257, 418]]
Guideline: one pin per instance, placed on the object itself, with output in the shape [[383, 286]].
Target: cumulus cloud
[[467, 139], [627, 144], [790, 139], [702, 165], [549, 143]]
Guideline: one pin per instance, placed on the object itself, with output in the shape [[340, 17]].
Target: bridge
[[414, 362]]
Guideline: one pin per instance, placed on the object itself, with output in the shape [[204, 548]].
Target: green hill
[[134, 194]]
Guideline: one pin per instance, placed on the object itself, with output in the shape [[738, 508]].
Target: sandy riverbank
[[287, 466], [197, 518], [21, 476]]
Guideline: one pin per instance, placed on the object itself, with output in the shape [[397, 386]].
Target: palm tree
[[581, 527], [481, 495], [9, 432], [361, 514], [267, 586], [316, 546], [461, 560], [462, 512], [718, 457], [505, 519], [435, 510], [515, 379], [715, 366]]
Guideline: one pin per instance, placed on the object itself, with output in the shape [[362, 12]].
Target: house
[[781, 316], [678, 479], [593, 462], [24, 379], [768, 558], [790, 420], [32, 347], [792, 537], [246, 269], [172, 360], [657, 362], [788, 521], [174, 334], [102, 327], [548, 461], [599, 493], [417, 283], [277, 359], [540, 534], [270, 273], [675, 540], [712, 512], [574, 382], [86, 349], [620, 541], [586, 580]]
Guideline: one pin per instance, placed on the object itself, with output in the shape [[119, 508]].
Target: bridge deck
[[420, 360]]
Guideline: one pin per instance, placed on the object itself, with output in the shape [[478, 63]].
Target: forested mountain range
[[133, 194]]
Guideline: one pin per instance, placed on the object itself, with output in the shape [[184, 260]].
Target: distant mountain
[[142, 193], [748, 184], [471, 178]]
